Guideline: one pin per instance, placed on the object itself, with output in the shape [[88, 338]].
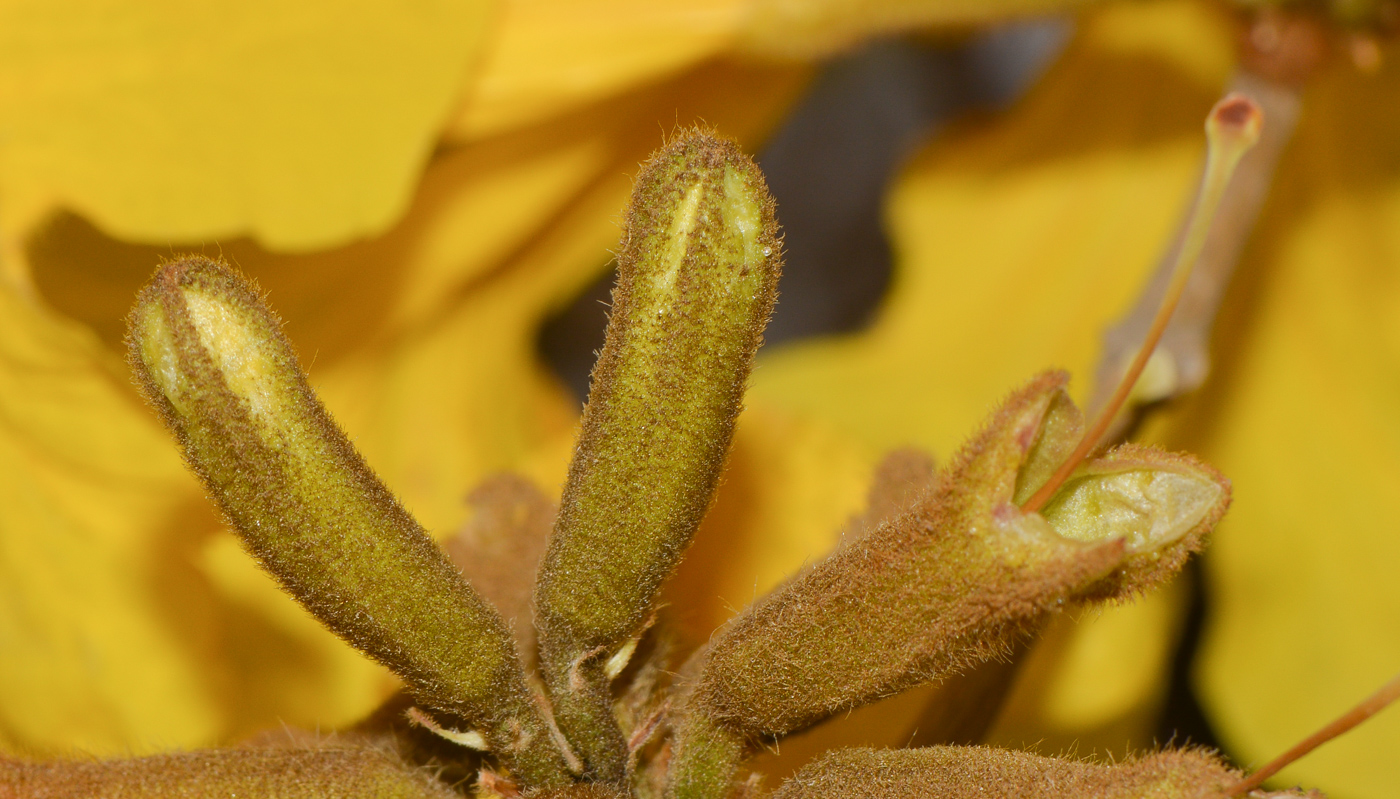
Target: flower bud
[[697, 277], [212, 358], [316, 773], [979, 772], [949, 583]]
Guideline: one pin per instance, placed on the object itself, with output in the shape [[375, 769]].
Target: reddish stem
[[1232, 128], [1368, 708]]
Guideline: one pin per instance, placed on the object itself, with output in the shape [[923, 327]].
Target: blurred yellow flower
[[417, 189]]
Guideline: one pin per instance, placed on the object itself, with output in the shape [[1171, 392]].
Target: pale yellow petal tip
[[1148, 508], [196, 314], [154, 346], [471, 739], [618, 662], [239, 350]]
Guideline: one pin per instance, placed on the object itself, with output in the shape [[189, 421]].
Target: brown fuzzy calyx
[[581, 791], [282, 773], [500, 547], [949, 583], [952, 581], [900, 478], [975, 772]]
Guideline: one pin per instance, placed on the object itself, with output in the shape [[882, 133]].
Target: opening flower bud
[[964, 564]]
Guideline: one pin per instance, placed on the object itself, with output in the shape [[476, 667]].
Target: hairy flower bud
[[213, 360], [697, 278], [314, 773], [949, 583], [977, 772]]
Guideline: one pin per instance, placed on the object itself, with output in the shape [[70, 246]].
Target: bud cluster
[[946, 570]]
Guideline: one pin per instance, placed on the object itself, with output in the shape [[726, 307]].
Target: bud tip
[[1235, 118]]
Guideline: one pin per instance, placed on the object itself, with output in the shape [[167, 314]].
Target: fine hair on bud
[[247, 773], [952, 581], [697, 279], [978, 772], [946, 584], [212, 358]]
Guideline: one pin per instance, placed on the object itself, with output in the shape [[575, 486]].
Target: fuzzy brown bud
[[212, 358], [697, 277], [949, 583], [975, 772], [316, 773]]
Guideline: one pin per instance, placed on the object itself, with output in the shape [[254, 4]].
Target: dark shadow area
[[1183, 720], [333, 299]]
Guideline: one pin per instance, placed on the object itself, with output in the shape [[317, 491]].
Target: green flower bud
[[331, 773], [212, 358], [697, 279], [951, 582], [978, 772]]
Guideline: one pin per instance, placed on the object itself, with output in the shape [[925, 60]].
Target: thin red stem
[[1232, 128], [1368, 708]]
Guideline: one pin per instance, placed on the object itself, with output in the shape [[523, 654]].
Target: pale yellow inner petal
[[1149, 508]]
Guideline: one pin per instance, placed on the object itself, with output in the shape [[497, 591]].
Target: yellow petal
[[301, 124], [1096, 682], [99, 606], [806, 28], [1302, 417], [454, 390], [552, 56], [1016, 243]]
